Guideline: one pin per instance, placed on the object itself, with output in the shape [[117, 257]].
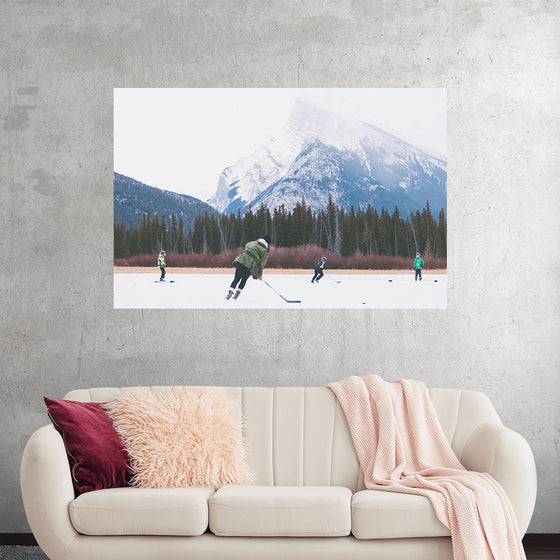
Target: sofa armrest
[[47, 490], [504, 454]]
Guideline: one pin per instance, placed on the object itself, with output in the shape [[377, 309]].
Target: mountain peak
[[308, 120], [347, 155]]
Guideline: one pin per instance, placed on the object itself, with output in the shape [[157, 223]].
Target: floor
[[546, 551], [22, 553]]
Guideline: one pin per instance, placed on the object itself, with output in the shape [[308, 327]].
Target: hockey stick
[[278, 293], [331, 278]]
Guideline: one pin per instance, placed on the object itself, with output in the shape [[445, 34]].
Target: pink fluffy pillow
[[179, 438]]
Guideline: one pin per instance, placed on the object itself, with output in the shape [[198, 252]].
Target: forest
[[335, 230]]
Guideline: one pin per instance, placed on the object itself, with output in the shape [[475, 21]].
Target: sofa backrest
[[299, 435]]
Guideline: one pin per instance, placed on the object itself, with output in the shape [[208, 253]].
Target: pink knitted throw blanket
[[401, 447]]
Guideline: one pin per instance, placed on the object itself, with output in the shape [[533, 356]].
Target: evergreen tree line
[[150, 236], [335, 229]]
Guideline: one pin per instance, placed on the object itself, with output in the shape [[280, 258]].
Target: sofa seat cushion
[[142, 511], [391, 515], [280, 511]]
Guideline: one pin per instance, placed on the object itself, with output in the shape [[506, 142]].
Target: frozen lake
[[208, 290]]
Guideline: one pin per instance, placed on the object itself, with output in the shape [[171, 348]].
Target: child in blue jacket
[[319, 270]]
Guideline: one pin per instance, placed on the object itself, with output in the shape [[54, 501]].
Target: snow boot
[[229, 294], [236, 295]]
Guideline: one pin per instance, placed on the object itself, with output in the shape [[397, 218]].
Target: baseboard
[[22, 539], [540, 540]]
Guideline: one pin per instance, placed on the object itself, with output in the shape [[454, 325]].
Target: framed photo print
[[280, 198]]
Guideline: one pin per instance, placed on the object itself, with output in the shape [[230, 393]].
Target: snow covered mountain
[[320, 153], [132, 198]]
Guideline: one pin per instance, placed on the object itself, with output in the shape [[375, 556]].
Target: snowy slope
[[132, 198], [320, 153]]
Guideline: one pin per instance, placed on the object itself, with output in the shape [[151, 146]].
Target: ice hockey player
[[319, 270], [161, 264], [250, 263], [418, 264]]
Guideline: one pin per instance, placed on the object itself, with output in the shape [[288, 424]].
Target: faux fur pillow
[[178, 438]]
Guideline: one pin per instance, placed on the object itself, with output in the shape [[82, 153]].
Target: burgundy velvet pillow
[[97, 456]]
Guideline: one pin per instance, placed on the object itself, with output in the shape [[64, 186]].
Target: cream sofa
[[308, 499]]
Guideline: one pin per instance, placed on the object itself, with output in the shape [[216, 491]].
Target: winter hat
[[263, 242], [323, 258]]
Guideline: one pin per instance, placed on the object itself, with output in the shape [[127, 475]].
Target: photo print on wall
[[280, 198]]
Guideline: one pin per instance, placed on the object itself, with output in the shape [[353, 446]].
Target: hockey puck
[[390, 280], [363, 302], [435, 280]]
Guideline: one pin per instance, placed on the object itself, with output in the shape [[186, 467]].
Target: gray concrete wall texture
[[500, 62]]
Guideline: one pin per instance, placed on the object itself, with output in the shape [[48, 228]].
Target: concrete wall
[[59, 64]]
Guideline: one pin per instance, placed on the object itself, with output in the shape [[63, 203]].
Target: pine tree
[[263, 222], [181, 240], [334, 227], [145, 232], [241, 230], [385, 235], [321, 234], [197, 234], [280, 227], [309, 228], [120, 246], [429, 230], [173, 234], [349, 238], [215, 238], [248, 226], [441, 236]]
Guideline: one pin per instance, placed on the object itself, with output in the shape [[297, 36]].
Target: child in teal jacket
[[418, 264]]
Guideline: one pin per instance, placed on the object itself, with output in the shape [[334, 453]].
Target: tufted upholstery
[[298, 436]]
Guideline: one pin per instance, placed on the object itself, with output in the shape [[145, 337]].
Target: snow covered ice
[[208, 291]]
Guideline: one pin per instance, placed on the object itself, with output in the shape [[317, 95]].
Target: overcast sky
[[182, 139]]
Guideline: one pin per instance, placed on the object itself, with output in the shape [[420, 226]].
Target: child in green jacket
[[418, 264], [250, 263]]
